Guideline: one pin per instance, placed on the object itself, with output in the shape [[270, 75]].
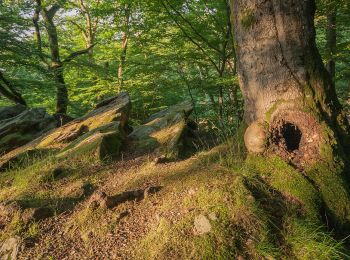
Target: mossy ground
[[258, 208]]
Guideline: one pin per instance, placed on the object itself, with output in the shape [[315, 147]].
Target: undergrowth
[[257, 207]]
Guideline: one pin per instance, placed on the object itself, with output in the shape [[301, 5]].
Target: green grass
[[263, 208]]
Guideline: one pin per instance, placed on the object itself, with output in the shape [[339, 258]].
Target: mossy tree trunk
[[55, 63], [291, 107]]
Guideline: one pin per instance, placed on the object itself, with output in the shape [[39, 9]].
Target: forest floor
[[213, 205]]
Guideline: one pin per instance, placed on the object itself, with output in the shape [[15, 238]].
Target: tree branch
[[52, 11], [190, 38], [206, 41], [78, 53], [10, 92], [36, 18]]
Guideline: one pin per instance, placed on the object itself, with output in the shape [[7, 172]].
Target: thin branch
[[78, 53], [10, 92], [190, 38], [206, 41], [81, 28]]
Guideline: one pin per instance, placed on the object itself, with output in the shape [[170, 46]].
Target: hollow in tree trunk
[[291, 107]]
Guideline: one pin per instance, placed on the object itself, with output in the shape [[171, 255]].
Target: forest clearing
[[174, 129]]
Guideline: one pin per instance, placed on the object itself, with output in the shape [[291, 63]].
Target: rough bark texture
[[290, 95], [56, 63], [280, 67]]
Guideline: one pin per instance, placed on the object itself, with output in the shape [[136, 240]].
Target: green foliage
[[171, 56], [341, 57]]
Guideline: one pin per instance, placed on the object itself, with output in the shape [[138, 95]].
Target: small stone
[[201, 225], [212, 216], [124, 214], [191, 192], [7, 210], [160, 160], [255, 138], [10, 248], [100, 199]]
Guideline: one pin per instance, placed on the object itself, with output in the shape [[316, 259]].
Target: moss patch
[[248, 19]]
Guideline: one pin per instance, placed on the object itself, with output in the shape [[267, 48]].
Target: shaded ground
[[210, 206]]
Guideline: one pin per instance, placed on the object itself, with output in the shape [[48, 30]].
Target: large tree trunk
[[291, 106]]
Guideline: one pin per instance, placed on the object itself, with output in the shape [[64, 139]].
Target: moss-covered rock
[[166, 131], [89, 128], [12, 111], [24, 127], [102, 144], [116, 110]]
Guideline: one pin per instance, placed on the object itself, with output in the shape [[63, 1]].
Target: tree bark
[[125, 41], [56, 65], [291, 107], [89, 32]]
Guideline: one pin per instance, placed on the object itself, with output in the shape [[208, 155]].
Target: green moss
[[10, 141], [147, 144], [269, 113], [18, 228], [325, 186], [288, 181], [102, 144], [334, 191], [248, 20]]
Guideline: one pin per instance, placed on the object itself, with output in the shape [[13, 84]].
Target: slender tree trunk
[[291, 106], [125, 40], [56, 65], [210, 95], [331, 45], [221, 102], [89, 32]]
